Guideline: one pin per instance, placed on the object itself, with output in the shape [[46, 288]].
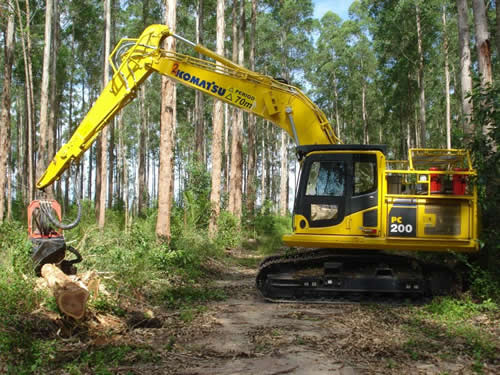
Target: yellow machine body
[[409, 214]]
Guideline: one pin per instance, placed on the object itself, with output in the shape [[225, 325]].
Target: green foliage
[[486, 159], [270, 228], [197, 196], [228, 230], [189, 294], [98, 360], [18, 299], [16, 277], [453, 310], [109, 305], [447, 325]]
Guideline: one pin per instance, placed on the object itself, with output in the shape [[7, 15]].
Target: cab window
[[365, 174], [326, 178]]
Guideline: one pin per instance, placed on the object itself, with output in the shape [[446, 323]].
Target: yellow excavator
[[355, 212]]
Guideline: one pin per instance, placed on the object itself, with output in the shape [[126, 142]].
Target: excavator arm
[[284, 105]]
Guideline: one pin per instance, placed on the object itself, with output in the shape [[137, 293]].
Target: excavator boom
[[282, 104]]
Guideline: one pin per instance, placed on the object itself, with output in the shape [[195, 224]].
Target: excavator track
[[337, 276]]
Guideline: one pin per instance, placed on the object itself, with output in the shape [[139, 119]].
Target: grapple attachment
[[46, 235]]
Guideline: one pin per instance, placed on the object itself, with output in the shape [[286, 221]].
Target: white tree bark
[[5, 107], [235, 190], [447, 80], [44, 94], [252, 120], [482, 41], [283, 202], [497, 36], [218, 122], [421, 85], [167, 137], [465, 63], [104, 134]]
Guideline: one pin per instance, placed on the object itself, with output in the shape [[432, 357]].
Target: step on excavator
[[358, 218]]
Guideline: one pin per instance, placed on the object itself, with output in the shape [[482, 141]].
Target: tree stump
[[71, 297]]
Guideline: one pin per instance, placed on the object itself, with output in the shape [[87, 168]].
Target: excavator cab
[[339, 190]]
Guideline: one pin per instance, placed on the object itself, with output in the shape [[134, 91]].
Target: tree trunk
[[70, 112], [227, 156], [263, 177], [141, 170], [44, 96], [422, 120], [283, 203], [30, 99], [111, 163], [124, 167], [199, 122], [484, 54], [364, 115], [5, 107], [104, 133], [71, 297], [235, 191], [482, 41], [497, 35], [283, 200], [9, 185], [465, 63], [447, 81], [167, 137], [251, 176], [54, 103], [20, 171], [336, 95], [218, 120]]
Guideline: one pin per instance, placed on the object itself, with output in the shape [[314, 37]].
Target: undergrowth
[[451, 328]]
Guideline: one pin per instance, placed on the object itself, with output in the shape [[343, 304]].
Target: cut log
[[71, 297]]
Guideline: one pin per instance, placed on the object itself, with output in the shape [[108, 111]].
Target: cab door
[[324, 189], [339, 190]]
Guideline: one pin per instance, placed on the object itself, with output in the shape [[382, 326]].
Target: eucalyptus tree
[[218, 119], [167, 137], [44, 95], [6, 104], [465, 63]]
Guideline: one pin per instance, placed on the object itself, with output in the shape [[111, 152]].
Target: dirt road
[[247, 335], [243, 334]]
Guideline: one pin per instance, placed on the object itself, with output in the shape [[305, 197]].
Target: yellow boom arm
[[284, 105]]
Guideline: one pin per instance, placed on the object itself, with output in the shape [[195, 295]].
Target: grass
[[446, 327], [101, 360], [176, 297]]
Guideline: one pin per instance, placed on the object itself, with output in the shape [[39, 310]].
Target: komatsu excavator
[[353, 209]]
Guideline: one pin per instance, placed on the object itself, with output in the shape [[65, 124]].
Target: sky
[[340, 7]]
